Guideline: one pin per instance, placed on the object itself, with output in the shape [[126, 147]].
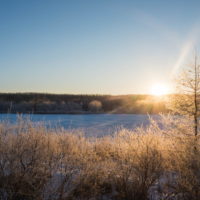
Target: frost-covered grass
[[157, 162]]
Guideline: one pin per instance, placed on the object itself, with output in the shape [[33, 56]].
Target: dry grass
[[161, 161]]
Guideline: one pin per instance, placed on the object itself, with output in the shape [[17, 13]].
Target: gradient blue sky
[[96, 46]]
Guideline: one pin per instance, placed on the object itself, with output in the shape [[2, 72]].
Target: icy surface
[[92, 124]]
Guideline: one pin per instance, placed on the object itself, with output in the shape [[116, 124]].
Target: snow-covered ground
[[91, 124]]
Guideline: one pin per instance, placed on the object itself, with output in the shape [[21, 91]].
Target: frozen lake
[[91, 124]]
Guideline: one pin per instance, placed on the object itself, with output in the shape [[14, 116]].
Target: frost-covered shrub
[[95, 106], [156, 162]]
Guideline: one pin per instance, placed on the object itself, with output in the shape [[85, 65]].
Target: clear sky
[[96, 46]]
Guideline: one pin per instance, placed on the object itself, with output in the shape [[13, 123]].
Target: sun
[[160, 89]]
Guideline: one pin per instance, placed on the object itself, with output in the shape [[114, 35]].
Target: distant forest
[[39, 103]]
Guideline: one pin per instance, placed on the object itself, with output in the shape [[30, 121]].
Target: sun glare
[[159, 89]]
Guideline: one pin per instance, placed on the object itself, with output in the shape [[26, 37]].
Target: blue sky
[[96, 46]]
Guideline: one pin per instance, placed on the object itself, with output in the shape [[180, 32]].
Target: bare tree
[[187, 101]]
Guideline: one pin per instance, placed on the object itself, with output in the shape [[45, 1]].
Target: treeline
[[42, 103]]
